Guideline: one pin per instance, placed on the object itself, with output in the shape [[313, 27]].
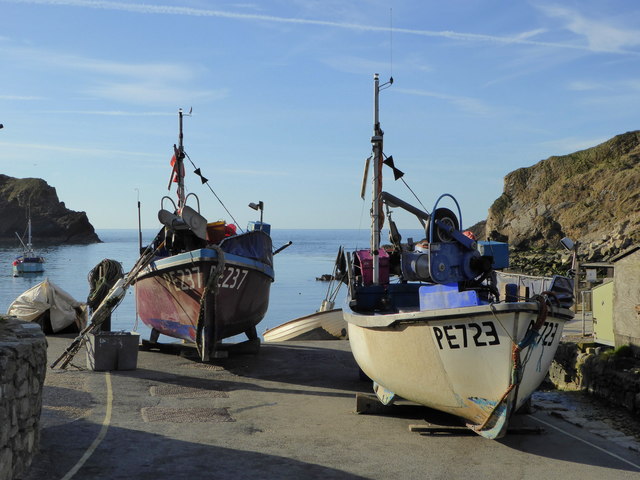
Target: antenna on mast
[[391, 43]]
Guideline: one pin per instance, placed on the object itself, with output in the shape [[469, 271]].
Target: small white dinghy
[[50, 306], [326, 324], [321, 325]]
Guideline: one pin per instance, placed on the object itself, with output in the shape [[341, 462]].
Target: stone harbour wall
[[612, 375], [23, 360]]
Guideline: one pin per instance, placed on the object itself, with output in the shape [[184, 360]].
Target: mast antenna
[[391, 43]]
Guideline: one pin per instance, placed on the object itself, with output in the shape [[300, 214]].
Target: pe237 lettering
[[466, 334], [190, 278]]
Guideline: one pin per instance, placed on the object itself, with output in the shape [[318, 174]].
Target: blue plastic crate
[[434, 297]]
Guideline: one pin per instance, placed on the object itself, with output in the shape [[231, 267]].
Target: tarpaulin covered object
[[46, 297]]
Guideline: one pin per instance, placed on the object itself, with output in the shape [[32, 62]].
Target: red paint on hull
[[168, 299]]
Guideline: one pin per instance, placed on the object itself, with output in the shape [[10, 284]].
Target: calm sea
[[295, 292]]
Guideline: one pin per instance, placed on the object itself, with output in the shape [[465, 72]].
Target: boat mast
[[29, 246], [376, 207], [179, 153]]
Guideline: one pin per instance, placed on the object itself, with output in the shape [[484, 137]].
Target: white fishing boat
[[28, 262], [434, 322]]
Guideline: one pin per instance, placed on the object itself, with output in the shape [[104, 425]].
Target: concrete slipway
[[287, 412]]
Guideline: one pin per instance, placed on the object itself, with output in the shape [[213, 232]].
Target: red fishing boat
[[206, 282]]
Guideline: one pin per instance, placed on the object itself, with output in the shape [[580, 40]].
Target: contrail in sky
[[144, 8]]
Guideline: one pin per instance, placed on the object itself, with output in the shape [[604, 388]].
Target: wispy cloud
[[257, 173], [564, 146], [583, 86], [111, 113], [601, 35], [139, 83], [617, 87], [466, 104], [609, 40], [633, 84], [530, 34], [152, 92], [19, 97], [352, 64], [85, 151]]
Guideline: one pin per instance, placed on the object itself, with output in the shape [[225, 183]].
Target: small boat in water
[[436, 323], [28, 262], [205, 283]]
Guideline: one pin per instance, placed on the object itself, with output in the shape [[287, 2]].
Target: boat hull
[[327, 325], [460, 360], [169, 293], [23, 265]]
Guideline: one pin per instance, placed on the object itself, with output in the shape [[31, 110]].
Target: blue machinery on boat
[[453, 257]]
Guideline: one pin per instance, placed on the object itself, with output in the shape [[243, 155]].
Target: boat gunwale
[[165, 263], [382, 320], [23, 259]]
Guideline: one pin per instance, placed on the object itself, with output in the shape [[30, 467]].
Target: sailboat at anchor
[[28, 262]]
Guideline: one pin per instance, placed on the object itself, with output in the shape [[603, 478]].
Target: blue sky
[[281, 93]]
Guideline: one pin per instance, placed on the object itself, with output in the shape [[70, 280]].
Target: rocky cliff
[[51, 221], [591, 196]]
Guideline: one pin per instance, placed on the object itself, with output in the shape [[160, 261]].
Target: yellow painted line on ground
[[101, 435], [586, 442]]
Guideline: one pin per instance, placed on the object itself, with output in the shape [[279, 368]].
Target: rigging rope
[[400, 176], [205, 181]]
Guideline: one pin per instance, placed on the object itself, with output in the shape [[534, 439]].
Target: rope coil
[[101, 279]]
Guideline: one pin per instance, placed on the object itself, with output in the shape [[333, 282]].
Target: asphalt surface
[[286, 412]]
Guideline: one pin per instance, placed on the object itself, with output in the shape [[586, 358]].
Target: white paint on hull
[[462, 364]]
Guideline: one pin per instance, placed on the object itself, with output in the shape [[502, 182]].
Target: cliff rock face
[[51, 221], [591, 196]]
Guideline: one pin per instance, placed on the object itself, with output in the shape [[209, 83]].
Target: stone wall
[[626, 299], [613, 376], [23, 360]]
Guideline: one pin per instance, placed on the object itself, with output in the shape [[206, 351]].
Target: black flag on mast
[[203, 179], [397, 174]]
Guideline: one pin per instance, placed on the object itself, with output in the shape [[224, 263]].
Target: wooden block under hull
[[431, 429]]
